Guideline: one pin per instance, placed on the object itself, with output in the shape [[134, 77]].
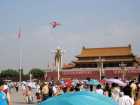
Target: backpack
[[3, 98]]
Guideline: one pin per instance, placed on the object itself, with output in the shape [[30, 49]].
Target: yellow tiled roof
[[110, 51]]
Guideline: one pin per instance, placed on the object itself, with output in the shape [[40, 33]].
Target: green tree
[[10, 74], [37, 73]]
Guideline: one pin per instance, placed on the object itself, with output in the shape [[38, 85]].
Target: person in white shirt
[[125, 99]]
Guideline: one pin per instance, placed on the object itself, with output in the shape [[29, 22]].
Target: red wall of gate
[[94, 74]]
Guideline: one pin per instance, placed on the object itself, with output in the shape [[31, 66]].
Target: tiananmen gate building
[[94, 62]]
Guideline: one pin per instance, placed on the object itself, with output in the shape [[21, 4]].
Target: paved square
[[18, 99]]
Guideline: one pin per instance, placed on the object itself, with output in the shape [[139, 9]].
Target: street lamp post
[[30, 77], [122, 65], [58, 61], [101, 68]]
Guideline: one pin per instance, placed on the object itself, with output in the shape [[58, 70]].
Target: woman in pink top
[[99, 89]]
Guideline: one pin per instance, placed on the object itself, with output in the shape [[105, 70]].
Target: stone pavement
[[18, 99]]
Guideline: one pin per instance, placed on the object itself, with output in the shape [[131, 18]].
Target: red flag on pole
[[54, 24], [19, 34], [48, 65]]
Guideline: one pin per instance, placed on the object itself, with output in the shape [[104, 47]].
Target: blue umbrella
[[79, 98], [93, 82]]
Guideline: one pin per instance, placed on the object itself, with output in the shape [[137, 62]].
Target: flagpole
[[100, 68], [20, 56], [20, 62]]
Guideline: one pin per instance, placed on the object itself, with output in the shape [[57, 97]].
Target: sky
[[89, 23]]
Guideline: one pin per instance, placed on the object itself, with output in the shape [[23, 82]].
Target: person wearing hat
[[44, 91], [4, 97]]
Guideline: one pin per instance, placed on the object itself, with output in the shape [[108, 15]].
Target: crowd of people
[[43, 90], [123, 95]]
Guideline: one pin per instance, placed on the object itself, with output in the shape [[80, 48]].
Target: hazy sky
[[89, 23]]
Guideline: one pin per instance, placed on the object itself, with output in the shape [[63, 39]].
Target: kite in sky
[[54, 24]]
